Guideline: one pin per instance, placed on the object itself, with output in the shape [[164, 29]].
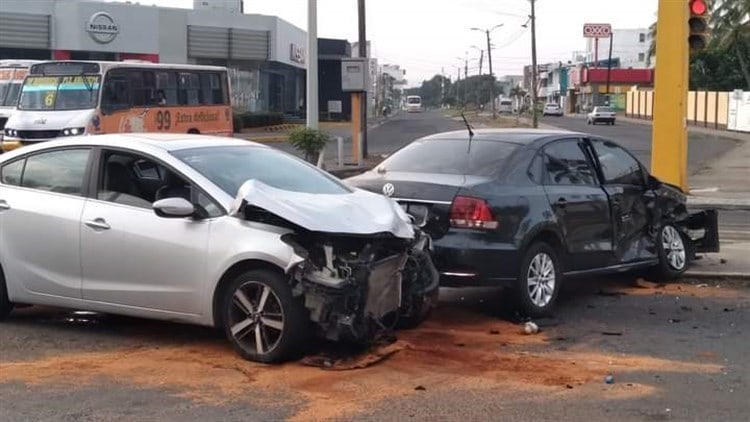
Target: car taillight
[[472, 213]]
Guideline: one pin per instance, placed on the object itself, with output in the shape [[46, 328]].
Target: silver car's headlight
[[10, 132], [72, 131]]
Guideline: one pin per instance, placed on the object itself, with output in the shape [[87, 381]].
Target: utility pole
[[492, 76], [312, 64], [363, 54], [609, 66], [481, 60], [534, 117], [669, 135], [442, 87]]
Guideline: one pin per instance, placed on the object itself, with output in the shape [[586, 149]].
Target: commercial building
[[629, 45], [266, 54]]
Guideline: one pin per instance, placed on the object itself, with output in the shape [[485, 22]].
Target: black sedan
[[526, 208]]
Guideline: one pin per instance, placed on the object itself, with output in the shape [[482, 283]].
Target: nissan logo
[[102, 27], [389, 189]]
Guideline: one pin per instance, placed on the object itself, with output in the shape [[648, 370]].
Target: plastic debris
[[530, 328], [702, 285], [609, 379]]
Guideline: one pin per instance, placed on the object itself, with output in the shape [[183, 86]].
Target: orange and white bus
[[12, 73], [66, 98]]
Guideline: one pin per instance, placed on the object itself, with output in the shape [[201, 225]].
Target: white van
[[505, 106], [413, 103]]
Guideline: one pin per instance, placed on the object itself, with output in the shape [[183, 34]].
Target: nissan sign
[[102, 27], [297, 54], [597, 30]]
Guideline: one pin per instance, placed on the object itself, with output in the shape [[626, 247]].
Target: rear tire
[[539, 280], [5, 305], [258, 307], [674, 250]]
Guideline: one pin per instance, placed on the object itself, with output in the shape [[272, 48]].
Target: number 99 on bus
[[163, 120]]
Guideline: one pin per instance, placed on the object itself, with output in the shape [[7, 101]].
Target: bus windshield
[[413, 100], [59, 92], [9, 92]]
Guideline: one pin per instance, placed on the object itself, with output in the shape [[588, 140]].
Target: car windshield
[[59, 93], [230, 167], [603, 110], [451, 156]]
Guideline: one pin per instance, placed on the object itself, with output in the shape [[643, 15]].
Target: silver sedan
[[210, 231]]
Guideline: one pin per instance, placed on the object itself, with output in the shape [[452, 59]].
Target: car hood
[[355, 213]]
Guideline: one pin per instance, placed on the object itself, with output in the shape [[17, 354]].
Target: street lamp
[[489, 58]]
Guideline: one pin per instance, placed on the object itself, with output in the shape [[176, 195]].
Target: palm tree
[[731, 31]]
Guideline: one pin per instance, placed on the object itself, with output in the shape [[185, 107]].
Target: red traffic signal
[[698, 24], [698, 7]]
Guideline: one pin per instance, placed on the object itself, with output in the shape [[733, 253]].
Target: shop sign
[[297, 54], [102, 28]]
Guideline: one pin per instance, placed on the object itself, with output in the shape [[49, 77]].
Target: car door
[[579, 203], [132, 257], [41, 200], [624, 180]]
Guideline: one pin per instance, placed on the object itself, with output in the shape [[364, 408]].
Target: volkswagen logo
[[389, 189], [102, 27]]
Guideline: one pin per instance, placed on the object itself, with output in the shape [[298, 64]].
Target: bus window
[[189, 89], [115, 95], [167, 83], [211, 88]]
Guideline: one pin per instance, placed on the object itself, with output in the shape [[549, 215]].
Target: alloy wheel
[[540, 279], [674, 248], [256, 318]]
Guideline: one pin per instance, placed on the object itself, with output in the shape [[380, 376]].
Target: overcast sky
[[424, 36]]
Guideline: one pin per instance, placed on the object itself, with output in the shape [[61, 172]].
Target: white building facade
[[629, 45]]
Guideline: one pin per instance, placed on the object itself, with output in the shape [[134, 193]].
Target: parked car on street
[[552, 109], [528, 208], [601, 114], [212, 231]]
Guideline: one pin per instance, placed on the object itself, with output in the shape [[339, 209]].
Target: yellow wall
[[723, 105], [712, 107]]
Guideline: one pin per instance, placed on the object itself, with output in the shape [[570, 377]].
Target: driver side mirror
[[173, 208]]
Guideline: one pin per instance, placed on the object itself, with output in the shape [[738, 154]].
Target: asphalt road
[[676, 351], [702, 148]]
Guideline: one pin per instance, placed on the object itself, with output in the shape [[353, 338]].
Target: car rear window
[[604, 109], [451, 156]]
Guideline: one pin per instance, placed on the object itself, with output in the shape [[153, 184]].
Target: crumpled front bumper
[[706, 221]]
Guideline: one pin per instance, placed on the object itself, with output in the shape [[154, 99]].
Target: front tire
[[539, 280], [262, 319], [5, 305], [674, 253]]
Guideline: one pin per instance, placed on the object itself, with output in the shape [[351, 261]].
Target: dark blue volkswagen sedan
[[527, 208]]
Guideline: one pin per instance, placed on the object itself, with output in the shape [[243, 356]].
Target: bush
[[309, 141]]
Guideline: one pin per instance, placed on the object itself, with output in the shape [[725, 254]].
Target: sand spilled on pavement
[[456, 349]]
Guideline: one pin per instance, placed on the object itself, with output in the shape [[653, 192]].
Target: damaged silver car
[[210, 231]]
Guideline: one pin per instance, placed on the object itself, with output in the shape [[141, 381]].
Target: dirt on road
[[459, 348]]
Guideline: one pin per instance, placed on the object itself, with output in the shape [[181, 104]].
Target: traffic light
[[698, 23]]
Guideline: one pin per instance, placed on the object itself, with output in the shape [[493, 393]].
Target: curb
[[717, 274], [718, 203]]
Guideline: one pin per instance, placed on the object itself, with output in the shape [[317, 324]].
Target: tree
[[731, 32], [729, 44]]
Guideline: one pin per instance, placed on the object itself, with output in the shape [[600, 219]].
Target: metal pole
[[363, 53], [492, 76], [534, 118], [609, 66], [312, 64]]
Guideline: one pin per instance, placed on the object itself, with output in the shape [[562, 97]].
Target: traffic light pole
[[669, 134]]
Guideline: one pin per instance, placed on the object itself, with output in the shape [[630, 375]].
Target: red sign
[[597, 30]]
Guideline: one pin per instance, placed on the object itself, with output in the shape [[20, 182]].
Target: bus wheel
[[194, 131]]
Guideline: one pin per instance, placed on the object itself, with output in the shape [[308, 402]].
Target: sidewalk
[[725, 183]]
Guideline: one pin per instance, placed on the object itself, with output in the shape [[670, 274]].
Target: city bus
[[12, 73], [67, 98], [413, 103]]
